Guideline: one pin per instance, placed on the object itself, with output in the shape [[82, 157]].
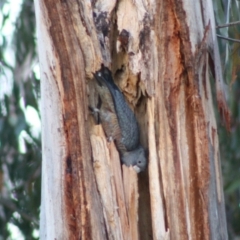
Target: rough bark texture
[[159, 54]]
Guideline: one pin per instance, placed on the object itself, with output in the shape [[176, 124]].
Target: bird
[[118, 121]]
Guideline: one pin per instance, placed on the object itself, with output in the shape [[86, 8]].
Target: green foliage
[[20, 148], [225, 12]]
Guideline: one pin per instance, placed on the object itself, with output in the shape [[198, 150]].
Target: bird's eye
[[139, 161]]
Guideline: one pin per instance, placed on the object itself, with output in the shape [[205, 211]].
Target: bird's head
[[136, 158]]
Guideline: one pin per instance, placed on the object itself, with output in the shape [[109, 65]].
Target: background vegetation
[[227, 11], [20, 143], [20, 138]]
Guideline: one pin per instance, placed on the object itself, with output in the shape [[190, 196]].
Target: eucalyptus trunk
[[160, 54]]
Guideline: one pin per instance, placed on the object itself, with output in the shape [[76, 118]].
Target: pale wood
[[131, 200], [119, 193], [157, 207], [53, 145]]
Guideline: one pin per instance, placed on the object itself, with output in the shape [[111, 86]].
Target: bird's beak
[[137, 169]]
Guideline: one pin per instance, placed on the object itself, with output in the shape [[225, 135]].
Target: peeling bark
[[159, 54]]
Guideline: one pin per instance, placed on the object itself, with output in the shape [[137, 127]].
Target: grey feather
[[128, 137]]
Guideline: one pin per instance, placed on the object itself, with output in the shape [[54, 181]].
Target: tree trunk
[[159, 53]]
